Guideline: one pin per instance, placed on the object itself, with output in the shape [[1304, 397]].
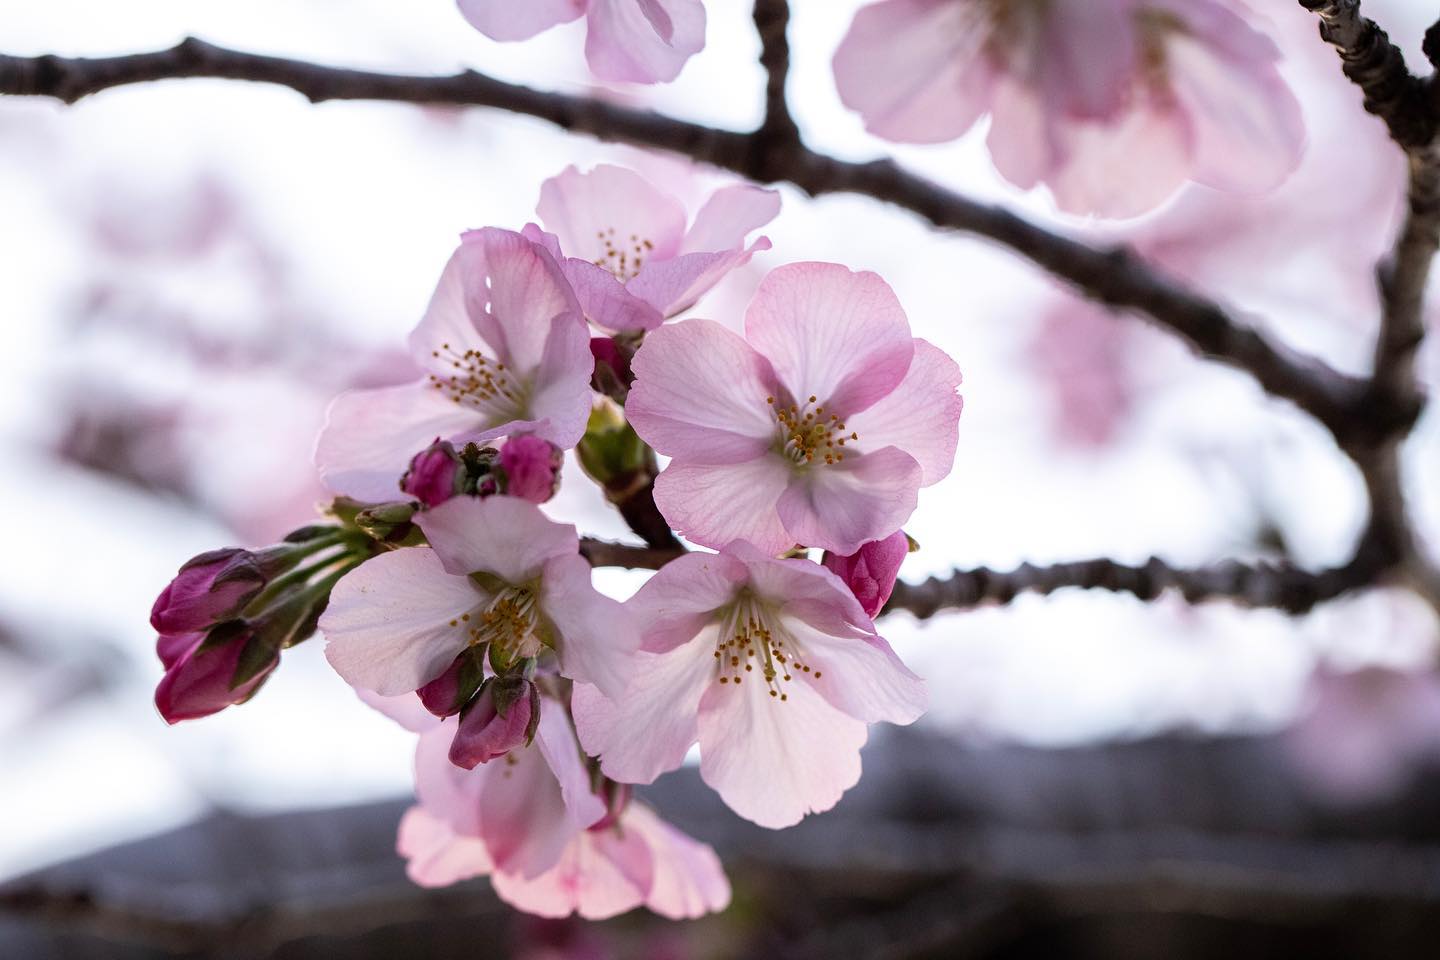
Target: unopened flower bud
[[502, 718], [612, 376], [387, 522], [448, 693], [612, 454], [435, 474], [212, 587], [870, 572], [531, 467], [221, 668]]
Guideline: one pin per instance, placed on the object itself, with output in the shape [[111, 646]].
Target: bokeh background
[[190, 270]]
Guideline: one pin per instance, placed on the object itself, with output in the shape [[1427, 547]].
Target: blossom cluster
[[453, 603]]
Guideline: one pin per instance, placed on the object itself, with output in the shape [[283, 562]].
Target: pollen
[[752, 643], [807, 434], [507, 621], [475, 380], [623, 257]]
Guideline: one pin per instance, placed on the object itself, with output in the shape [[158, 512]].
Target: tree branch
[[1378, 68], [1115, 277], [772, 18]]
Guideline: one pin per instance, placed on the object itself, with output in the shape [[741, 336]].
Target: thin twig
[[1115, 277], [772, 19]]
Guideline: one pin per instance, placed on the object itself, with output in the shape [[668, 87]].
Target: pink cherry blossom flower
[[506, 351], [871, 571], [1112, 104], [818, 427], [628, 253], [637, 41], [498, 573], [770, 665]]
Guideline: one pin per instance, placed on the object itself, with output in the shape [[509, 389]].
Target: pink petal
[[523, 817], [774, 761], [648, 728], [388, 622], [673, 286], [560, 397], [556, 741], [680, 600], [506, 536], [600, 875], [840, 506], [606, 301], [717, 505], [643, 41], [729, 216], [1082, 56], [599, 212], [916, 70], [699, 394], [370, 435], [436, 855], [597, 634], [1248, 134], [508, 20], [405, 709], [688, 880], [831, 333], [921, 416], [806, 590], [861, 677]]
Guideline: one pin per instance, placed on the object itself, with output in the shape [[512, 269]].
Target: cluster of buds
[[498, 713], [527, 467], [226, 616]]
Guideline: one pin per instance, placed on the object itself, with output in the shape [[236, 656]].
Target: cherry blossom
[[497, 573], [770, 665], [505, 350], [628, 252], [637, 41], [818, 427], [1112, 104]]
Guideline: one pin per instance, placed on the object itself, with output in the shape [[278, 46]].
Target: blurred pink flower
[[871, 571], [775, 748], [626, 248], [818, 427], [1112, 104], [639, 41], [1365, 732], [497, 572], [1082, 360], [507, 351]]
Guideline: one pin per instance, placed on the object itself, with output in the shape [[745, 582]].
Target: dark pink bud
[[612, 375], [448, 693], [531, 467], [502, 718], [435, 474], [209, 588], [201, 680], [870, 572]]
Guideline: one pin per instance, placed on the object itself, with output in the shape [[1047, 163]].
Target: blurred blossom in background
[[192, 270]]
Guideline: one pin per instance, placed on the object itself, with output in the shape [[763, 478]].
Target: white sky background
[[363, 203]]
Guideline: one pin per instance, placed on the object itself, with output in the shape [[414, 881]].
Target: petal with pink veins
[[388, 625], [648, 729], [717, 505], [699, 394], [643, 41], [606, 301], [688, 880], [508, 20], [557, 745], [775, 761], [674, 605], [729, 216], [600, 875], [506, 536], [839, 506], [673, 286], [609, 211], [861, 677], [921, 416], [840, 336], [597, 633]]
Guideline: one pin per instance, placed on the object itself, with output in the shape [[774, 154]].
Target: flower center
[[807, 435], [748, 640], [506, 622], [621, 257], [479, 382]]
